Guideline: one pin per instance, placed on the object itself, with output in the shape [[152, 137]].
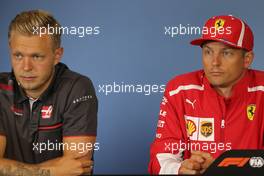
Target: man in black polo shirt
[[48, 113]]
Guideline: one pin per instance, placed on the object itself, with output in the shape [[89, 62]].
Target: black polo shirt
[[67, 108]]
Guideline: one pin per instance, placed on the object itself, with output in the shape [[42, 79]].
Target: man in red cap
[[219, 108]]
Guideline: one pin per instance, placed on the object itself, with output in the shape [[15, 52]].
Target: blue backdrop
[[131, 48]]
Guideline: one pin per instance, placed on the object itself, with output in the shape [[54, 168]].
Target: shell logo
[[191, 127]]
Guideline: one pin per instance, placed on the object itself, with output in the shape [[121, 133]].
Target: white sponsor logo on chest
[[46, 112]]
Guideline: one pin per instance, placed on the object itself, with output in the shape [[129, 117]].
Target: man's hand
[[197, 163], [70, 165]]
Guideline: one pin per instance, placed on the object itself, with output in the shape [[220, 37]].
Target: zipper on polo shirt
[[223, 123], [31, 103], [34, 120], [222, 107]]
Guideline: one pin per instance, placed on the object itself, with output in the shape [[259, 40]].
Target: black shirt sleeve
[[80, 116]]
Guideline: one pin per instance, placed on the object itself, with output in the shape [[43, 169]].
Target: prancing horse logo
[[251, 111], [219, 23]]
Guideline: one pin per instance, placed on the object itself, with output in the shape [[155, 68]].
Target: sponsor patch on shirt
[[251, 111], [83, 98], [200, 128], [46, 112]]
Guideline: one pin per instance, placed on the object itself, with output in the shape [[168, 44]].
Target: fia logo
[[256, 162]]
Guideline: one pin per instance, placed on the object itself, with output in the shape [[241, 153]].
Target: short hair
[[243, 51], [26, 21]]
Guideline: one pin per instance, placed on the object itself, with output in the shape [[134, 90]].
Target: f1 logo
[[239, 162]]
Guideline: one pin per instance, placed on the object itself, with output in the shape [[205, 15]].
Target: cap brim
[[200, 41]]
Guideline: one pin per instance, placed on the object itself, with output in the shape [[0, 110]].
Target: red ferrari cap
[[229, 30]]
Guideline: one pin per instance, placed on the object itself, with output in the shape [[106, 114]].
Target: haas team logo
[[46, 112]]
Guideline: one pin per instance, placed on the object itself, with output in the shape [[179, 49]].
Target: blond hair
[[26, 22]]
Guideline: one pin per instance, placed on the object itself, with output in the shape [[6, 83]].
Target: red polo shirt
[[193, 116]]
